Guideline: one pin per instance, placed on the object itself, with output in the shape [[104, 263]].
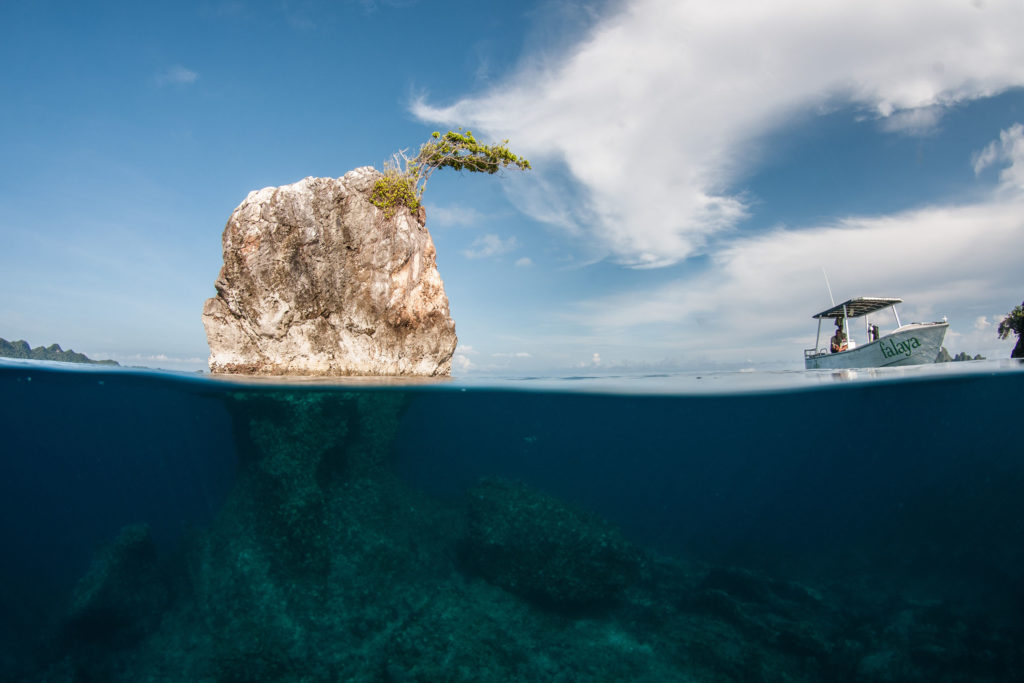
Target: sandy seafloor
[[747, 526]]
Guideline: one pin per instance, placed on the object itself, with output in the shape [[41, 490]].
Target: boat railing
[[815, 353]]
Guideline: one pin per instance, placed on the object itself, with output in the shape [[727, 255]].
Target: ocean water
[[791, 526]]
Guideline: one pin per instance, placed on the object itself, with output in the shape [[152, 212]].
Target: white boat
[[913, 344]]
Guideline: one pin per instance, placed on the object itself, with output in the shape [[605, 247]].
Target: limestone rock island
[[317, 280]]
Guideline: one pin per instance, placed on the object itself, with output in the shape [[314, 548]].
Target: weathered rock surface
[[318, 281]]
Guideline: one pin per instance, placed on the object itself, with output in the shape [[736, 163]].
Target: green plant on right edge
[[1013, 323]]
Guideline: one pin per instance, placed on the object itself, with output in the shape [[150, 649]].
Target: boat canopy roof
[[861, 305]]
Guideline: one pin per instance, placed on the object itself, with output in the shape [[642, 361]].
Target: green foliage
[[461, 152], [405, 179], [20, 349], [393, 190], [1013, 323]]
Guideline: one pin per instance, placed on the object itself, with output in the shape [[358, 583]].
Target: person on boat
[[839, 339]]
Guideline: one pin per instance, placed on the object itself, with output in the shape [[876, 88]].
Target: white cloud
[[462, 363], [656, 116], [524, 262], [917, 122], [490, 245], [517, 354], [1009, 148], [177, 75], [986, 157], [757, 297], [461, 360]]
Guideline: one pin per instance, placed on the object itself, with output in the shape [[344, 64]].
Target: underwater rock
[[541, 548], [319, 281], [122, 595], [294, 448]]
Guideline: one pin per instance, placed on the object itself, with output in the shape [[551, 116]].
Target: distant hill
[[20, 349], [944, 356]]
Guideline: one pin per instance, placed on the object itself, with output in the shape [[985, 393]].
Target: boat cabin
[[858, 307]]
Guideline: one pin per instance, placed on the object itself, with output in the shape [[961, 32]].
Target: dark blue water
[[897, 502]]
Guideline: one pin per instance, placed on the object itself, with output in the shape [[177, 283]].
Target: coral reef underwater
[[324, 565]]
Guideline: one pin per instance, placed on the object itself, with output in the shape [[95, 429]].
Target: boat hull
[[916, 344]]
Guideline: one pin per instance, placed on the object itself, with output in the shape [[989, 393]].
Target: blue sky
[[696, 165]]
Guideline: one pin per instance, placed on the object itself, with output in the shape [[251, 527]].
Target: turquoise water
[[792, 526]]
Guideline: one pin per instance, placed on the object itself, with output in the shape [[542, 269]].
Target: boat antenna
[[827, 285]]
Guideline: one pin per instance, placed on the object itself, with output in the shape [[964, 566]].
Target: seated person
[[839, 339]]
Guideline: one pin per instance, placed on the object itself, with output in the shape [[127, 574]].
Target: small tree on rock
[[405, 178], [1013, 323]]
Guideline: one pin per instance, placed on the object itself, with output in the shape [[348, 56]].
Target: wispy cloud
[[524, 262], [461, 359], [453, 216], [1009, 150], [462, 363], [916, 122], [177, 75], [657, 115], [490, 245]]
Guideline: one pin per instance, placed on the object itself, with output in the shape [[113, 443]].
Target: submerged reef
[[324, 565], [122, 596], [545, 550]]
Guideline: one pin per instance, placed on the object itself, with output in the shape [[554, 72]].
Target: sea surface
[[741, 526]]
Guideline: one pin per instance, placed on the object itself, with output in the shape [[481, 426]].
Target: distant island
[[944, 356], [21, 349]]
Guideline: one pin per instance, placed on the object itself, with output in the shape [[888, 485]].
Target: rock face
[[123, 594], [319, 281], [543, 549]]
